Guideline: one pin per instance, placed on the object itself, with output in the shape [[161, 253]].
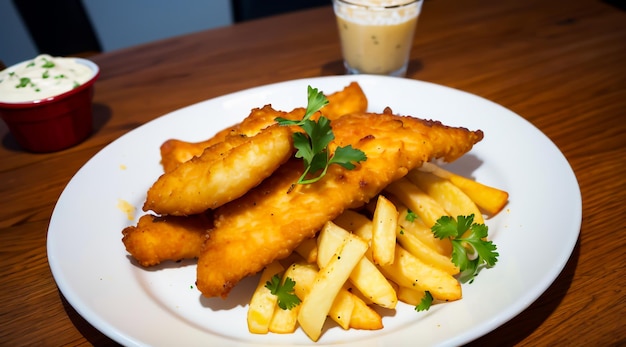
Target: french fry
[[449, 196], [329, 240], [427, 208], [409, 271], [488, 198], [424, 245], [384, 226], [354, 290], [342, 308], [364, 317], [308, 250], [356, 223], [417, 228], [294, 257], [328, 282], [365, 276], [411, 296], [263, 302], [285, 321], [304, 276], [373, 285], [414, 245]]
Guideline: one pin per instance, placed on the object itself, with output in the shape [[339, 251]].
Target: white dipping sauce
[[41, 78]]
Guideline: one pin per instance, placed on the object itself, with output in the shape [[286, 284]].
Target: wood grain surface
[[560, 64]]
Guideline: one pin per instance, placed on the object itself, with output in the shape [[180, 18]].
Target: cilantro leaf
[[312, 145], [287, 299], [425, 303], [470, 250]]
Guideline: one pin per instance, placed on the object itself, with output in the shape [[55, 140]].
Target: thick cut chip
[[449, 196], [411, 223], [263, 302], [385, 225], [409, 271], [308, 250], [411, 241], [330, 279], [365, 317], [411, 296], [427, 208], [365, 276], [488, 198]]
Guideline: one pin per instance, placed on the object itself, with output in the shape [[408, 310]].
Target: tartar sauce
[[41, 78]]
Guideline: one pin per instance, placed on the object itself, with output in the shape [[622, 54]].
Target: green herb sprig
[[470, 250], [287, 299], [312, 145], [425, 303]]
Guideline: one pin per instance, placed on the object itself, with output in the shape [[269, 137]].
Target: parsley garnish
[[24, 82], [411, 216], [47, 64], [425, 303], [312, 145], [469, 249], [285, 293]]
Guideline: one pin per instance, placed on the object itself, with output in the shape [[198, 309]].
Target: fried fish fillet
[[223, 172], [175, 152], [157, 239], [350, 99], [271, 220]]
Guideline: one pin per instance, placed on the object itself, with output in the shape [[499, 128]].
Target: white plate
[[535, 234]]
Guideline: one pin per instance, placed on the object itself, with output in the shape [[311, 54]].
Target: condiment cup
[[53, 123], [376, 35]]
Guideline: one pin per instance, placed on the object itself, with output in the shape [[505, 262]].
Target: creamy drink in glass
[[376, 35]]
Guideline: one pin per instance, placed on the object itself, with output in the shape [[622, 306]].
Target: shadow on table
[[521, 326], [336, 67]]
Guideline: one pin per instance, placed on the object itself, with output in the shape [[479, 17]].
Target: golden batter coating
[[157, 239]]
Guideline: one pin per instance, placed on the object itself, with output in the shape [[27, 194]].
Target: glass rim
[[378, 7]]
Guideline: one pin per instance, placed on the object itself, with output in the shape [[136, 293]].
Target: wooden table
[[560, 64]]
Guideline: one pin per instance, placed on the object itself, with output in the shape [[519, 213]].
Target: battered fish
[[157, 239], [271, 220], [350, 99], [224, 172], [175, 152]]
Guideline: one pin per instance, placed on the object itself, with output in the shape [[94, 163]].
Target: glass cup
[[376, 35]]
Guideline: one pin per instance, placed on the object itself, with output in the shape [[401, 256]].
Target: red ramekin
[[54, 123]]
